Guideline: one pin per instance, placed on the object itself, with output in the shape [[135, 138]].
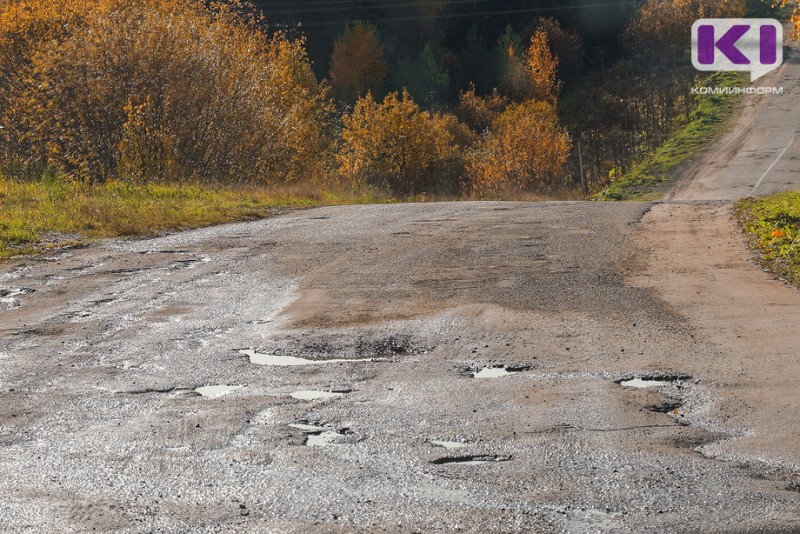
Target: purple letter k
[[726, 44]]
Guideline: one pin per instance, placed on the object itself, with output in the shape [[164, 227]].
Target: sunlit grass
[[773, 225], [708, 121], [35, 214]]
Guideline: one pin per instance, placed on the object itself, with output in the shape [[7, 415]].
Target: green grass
[[43, 214], [708, 121], [773, 225]]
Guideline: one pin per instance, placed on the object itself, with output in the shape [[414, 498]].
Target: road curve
[[760, 155]]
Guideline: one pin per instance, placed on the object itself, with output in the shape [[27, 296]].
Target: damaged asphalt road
[[483, 357]]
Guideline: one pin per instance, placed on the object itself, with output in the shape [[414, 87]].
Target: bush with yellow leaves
[[525, 149], [159, 89], [396, 146], [523, 146]]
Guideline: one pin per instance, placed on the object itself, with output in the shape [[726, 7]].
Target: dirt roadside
[[699, 263]]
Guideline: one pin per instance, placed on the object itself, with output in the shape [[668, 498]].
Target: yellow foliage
[[669, 22], [795, 17], [543, 67], [533, 76], [526, 148], [394, 144], [357, 63], [662, 22], [480, 112], [161, 89], [721, 9]]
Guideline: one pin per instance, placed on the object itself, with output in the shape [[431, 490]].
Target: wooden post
[[584, 185]]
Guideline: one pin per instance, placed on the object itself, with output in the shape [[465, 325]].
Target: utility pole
[[584, 185]]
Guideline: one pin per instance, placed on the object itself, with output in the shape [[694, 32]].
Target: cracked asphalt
[[103, 349]]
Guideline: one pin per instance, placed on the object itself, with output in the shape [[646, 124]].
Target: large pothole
[[472, 459], [313, 394], [497, 371], [319, 436], [217, 391], [652, 381], [258, 358], [338, 345]]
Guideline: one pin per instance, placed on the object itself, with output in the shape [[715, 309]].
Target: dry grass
[[34, 214]]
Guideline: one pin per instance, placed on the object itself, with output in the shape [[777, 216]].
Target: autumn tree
[[479, 113], [794, 18], [721, 9], [25, 26], [543, 67], [395, 145], [565, 44], [170, 89], [358, 65], [526, 148], [514, 77], [530, 74], [661, 29]]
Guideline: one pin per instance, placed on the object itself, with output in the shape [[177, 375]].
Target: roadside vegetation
[[123, 118], [709, 119], [40, 214], [773, 226]]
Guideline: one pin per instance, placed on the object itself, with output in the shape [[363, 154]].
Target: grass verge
[[707, 122], [772, 224], [49, 213]]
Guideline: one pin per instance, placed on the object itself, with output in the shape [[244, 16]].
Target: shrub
[[165, 89], [480, 112], [396, 146], [526, 148]]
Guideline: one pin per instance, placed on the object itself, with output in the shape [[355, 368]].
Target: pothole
[[666, 407], [471, 460], [653, 381], [307, 428], [399, 345], [324, 347], [78, 315], [448, 444], [323, 439], [189, 263], [216, 391], [641, 383], [312, 394], [288, 361], [697, 438], [497, 371], [149, 391], [318, 436], [8, 296], [147, 252]]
